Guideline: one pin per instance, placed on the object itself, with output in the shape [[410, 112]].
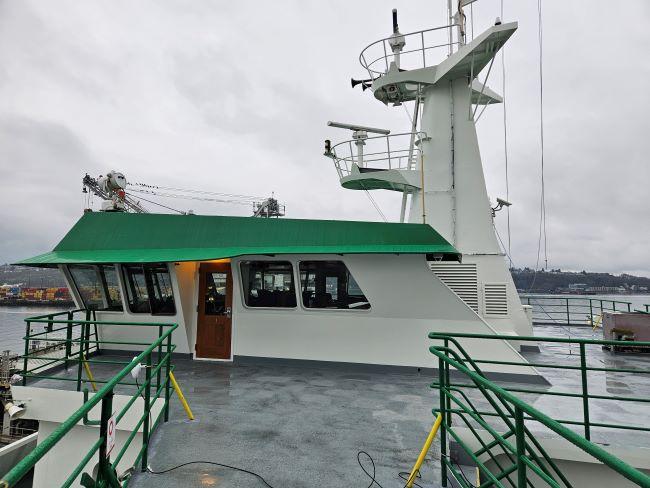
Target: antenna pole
[[396, 41]]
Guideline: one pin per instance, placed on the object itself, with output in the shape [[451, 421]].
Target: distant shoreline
[[37, 303], [586, 295]]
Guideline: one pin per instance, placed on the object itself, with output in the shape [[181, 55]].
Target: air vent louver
[[461, 278], [496, 298]]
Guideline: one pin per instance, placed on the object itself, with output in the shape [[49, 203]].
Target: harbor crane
[[111, 189]]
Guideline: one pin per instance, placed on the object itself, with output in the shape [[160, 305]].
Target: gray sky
[[234, 97]]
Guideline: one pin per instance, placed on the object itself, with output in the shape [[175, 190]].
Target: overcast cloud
[[234, 97]]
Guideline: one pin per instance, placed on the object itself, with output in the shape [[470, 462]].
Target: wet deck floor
[[297, 427]]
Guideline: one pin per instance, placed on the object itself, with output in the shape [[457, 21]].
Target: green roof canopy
[[100, 237]]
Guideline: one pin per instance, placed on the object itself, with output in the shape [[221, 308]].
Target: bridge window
[[108, 274], [329, 284], [149, 289], [268, 284], [97, 286]]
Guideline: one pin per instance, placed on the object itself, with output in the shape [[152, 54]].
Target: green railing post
[[168, 370], [28, 330], [147, 401], [80, 354], [521, 447], [629, 309], [68, 339], [87, 343], [443, 423], [97, 346], [160, 345], [591, 313], [104, 461], [585, 391], [447, 382]]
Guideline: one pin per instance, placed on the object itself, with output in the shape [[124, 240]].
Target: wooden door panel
[[214, 322]]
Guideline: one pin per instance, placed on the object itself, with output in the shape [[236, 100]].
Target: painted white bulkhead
[[407, 302]]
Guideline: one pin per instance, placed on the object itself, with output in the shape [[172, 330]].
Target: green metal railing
[[509, 453], [574, 310], [46, 348], [77, 347]]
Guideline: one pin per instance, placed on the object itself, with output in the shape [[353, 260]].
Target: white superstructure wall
[[407, 302]]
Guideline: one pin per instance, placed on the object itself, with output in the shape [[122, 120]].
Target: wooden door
[[214, 323]]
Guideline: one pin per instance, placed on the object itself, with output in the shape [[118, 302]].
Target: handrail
[[499, 337], [573, 310], [153, 373], [520, 408], [46, 316], [389, 153], [387, 53], [584, 368]]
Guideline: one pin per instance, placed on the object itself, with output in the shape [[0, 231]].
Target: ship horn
[[363, 83]]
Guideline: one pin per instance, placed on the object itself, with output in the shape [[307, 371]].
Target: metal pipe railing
[[107, 470], [583, 368], [572, 311], [380, 61], [526, 453], [380, 154]]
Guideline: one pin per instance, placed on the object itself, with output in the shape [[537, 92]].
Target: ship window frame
[[147, 271], [243, 284], [108, 305], [367, 309]]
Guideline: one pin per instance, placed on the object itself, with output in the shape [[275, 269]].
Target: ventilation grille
[[496, 298], [461, 278]]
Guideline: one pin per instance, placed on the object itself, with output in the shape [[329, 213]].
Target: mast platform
[[397, 85], [385, 162]]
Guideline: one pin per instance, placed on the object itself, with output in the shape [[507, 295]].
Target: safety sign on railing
[[110, 435]]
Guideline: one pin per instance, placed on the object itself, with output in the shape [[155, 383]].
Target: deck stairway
[[512, 443]]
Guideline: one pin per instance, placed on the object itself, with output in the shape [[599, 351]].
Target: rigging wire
[[408, 114], [191, 197], [505, 138], [541, 135], [505, 250], [542, 200], [374, 204], [161, 205], [202, 192]]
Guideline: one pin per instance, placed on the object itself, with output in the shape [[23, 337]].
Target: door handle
[[228, 312]]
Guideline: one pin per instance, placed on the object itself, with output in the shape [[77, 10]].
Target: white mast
[[441, 168]]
